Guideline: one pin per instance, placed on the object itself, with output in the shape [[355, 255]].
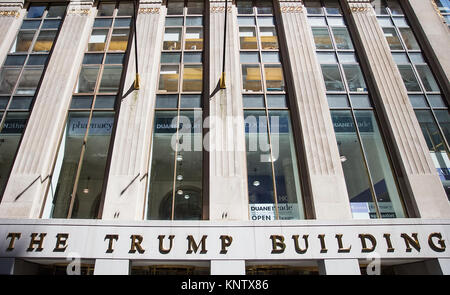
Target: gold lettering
[[226, 242], [341, 247], [35, 241], [111, 239], [410, 242], [388, 242], [193, 247], [61, 240], [371, 238], [13, 237], [297, 247], [136, 241], [278, 245], [441, 242], [322, 243], [161, 247]]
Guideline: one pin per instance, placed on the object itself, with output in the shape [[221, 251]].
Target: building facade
[[224, 137]]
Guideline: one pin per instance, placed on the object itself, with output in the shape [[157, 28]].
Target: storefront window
[[176, 172], [77, 185], [423, 89], [20, 75], [371, 185], [273, 179]]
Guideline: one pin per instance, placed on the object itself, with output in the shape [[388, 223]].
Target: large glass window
[[371, 185], [273, 176], [176, 172], [78, 179], [20, 75], [423, 90]]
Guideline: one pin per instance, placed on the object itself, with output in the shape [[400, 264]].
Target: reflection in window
[[251, 75], [97, 40], [342, 38], [322, 38], [274, 77], [176, 172], [20, 76], [392, 39], [371, 185], [168, 78], [119, 40], [44, 41], [172, 39], [81, 166], [194, 39], [409, 78], [268, 38], [247, 37], [332, 78], [354, 77], [192, 78]]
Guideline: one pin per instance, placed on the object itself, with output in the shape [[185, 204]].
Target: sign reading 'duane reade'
[[210, 242]]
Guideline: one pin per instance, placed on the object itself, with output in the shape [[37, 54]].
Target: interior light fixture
[[256, 183], [343, 159], [180, 177], [179, 158], [86, 190], [180, 192], [187, 197]]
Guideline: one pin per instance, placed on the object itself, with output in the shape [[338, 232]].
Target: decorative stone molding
[[360, 6], [152, 10], [13, 13], [219, 6], [219, 9], [10, 8], [78, 7], [291, 6], [79, 12]]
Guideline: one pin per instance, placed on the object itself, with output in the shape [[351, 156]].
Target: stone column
[[11, 15], [427, 198], [227, 267], [126, 193], [24, 195], [228, 168], [111, 267], [339, 267], [329, 191]]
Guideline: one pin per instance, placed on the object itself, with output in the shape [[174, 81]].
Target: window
[[78, 177], [273, 176], [423, 90], [176, 172], [443, 7], [371, 185], [20, 76]]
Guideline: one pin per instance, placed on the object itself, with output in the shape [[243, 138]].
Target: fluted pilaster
[[129, 173], [228, 175]]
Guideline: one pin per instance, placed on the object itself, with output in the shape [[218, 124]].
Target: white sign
[[207, 240], [286, 211]]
